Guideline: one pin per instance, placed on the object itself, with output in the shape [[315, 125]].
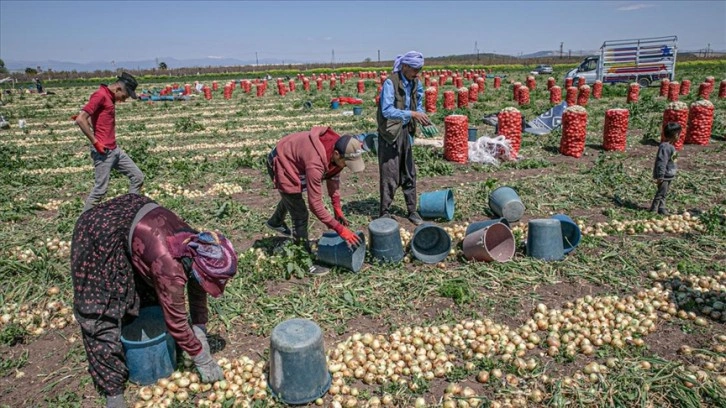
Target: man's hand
[[200, 332], [99, 147], [208, 369], [420, 117], [339, 216], [350, 237]]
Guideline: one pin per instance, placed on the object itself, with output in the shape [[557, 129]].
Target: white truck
[[641, 60]]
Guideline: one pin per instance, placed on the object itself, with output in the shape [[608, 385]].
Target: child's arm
[[661, 161]]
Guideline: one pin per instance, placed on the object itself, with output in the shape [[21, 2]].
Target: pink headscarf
[[214, 261]]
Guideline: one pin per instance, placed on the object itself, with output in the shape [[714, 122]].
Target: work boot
[[415, 218], [281, 229]]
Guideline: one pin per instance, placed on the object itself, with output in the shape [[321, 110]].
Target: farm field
[[635, 316]]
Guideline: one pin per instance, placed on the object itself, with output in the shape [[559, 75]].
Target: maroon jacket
[[302, 162]]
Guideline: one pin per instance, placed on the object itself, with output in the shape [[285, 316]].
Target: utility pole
[[379, 55], [476, 49], [561, 44], [332, 59], [257, 61], [569, 53]]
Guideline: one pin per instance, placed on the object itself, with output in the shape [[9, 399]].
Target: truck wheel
[[644, 82]]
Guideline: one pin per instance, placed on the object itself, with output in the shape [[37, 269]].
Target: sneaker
[[318, 270], [282, 229], [415, 218]]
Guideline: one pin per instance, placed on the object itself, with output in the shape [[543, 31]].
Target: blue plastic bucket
[[334, 104], [334, 251], [505, 202], [477, 225], [472, 134], [386, 243], [571, 233], [298, 367], [357, 110], [149, 348], [430, 243], [492, 243], [437, 204], [544, 239]]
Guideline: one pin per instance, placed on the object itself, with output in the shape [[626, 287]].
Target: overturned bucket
[[472, 134], [298, 367], [334, 251], [437, 204], [149, 348], [571, 233], [385, 243], [477, 225], [357, 110], [505, 202], [492, 243], [430, 243], [544, 239]]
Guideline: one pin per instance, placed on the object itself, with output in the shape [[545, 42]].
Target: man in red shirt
[[97, 121], [302, 161]]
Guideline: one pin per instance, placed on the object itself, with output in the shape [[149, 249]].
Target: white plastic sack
[[489, 151]]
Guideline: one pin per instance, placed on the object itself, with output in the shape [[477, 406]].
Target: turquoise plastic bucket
[[571, 233], [149, 348], [357, 110], [505, 202], [544, 239], [437, 204], [334, 251], [472, 134], [477, 225], [386, 243], [430, 243], [298, 367], [334, 104]]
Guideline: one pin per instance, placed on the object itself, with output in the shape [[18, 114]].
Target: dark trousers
[[660, 196], [106, 359], [396, 169], [294, 204]]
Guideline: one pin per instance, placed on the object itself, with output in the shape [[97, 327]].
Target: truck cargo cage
[[643, 60]]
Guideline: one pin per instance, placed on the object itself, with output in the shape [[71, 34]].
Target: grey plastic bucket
[[505, 202], [571, 233], [437, 204], [472, 134], [149, 348], [298, 367], [430, 243], [357, 110], [477, 225], [385, 238], [544, 239], [492, 243], [372, 142], [334, 251]]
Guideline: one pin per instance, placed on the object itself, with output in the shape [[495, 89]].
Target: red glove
[[99, 147], [339, 216], [349, 236]]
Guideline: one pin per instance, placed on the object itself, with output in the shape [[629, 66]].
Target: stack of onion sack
[[509, 121], [449, 100], [674, 89], [427, 80], [664, 84], [215, 85], [597, 89], [473, 93], [531, 83], [568, 82], [442, 80], [332, 83], [306, 84], [633, 93], [515, 91], [574, 128], [291, 85], [497, 82], [580, 81], [711, 80], [722, 89], [462, 98], [704, 90], [555, 95], [227, 92], [319, 84], [207, 92], [482, 84], [431, 95], [700, 122], [260, 89], [458, 82], [456, 138], [281, 89], [616, 129], [571, 96], [584, 95], [685, 87], [676, 112], [523, 96], [361, 86], [550, 83]]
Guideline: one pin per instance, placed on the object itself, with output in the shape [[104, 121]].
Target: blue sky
[[305, 30]]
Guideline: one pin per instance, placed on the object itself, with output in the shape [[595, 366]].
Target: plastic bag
[[489, 150]]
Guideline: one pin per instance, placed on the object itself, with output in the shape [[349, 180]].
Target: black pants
[[660, 196], [397, 169], [294, 204]]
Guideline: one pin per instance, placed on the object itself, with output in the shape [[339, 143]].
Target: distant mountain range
[[20, 65]]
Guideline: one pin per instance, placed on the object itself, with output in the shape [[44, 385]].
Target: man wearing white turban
[[399, 109]]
